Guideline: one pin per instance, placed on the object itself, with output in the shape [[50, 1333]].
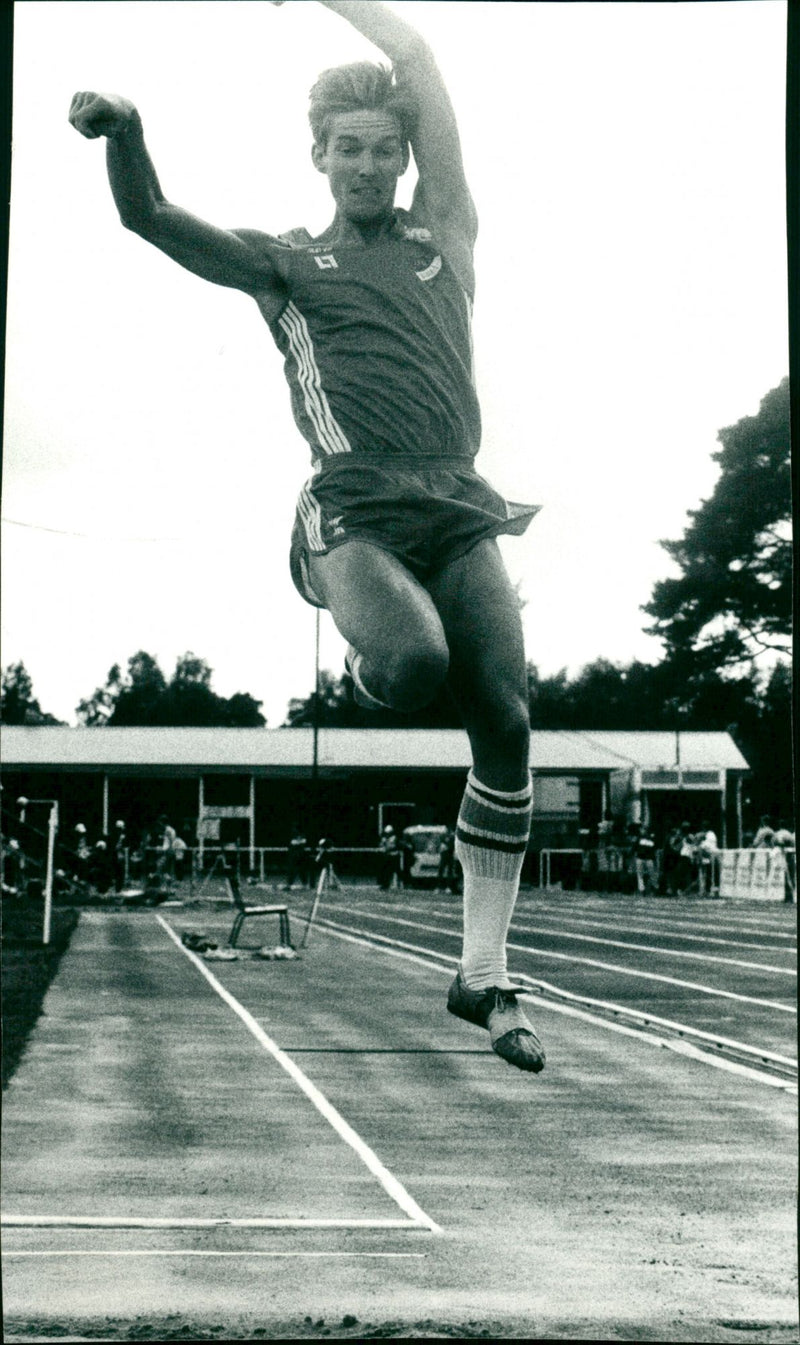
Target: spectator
[[645, 861], [298, 861], [12, 868], [179, 852], [686, 860], [388, 859], [670, 863], [166, 861], [605, 831], [323, 861], [120, 855], [407, 854], [447, 862], [707, 851], [81, 856], [765, 836], [99, 867], [785, 840]]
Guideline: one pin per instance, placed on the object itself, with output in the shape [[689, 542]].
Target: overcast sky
[[627, 162]]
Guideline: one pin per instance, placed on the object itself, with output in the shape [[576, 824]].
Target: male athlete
[[395, 532]]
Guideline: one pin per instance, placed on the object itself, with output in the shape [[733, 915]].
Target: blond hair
[[349, 88]]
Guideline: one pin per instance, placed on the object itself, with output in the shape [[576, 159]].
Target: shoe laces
[[503, 999]]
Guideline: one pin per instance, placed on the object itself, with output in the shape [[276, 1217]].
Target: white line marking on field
[[539, 929], [533, 910], [591, 962], [680, 1047], [655, 1020], [388, 1181], [133, 1221], [191, 1251]]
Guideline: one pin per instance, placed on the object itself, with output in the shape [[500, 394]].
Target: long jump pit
[[198, 1149]]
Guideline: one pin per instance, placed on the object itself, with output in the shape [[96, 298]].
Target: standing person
[[120, 854], [388, 856], [645, 861], [686, 860], [446, 876], [407, 856], [670, 862], [784, 839], [179, 852], [395, 533], [166, 861], [764, 838], [298, 861], [707, 851], [82, 855]]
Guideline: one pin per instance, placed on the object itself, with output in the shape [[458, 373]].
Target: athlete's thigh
[[480, 613], [376, 602]]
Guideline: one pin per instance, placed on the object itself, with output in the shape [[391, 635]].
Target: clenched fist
[[95, 114]]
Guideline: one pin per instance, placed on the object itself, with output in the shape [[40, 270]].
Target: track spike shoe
[[510, 1032]]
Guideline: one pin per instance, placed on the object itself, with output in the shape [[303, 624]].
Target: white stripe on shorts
[[311, 513]]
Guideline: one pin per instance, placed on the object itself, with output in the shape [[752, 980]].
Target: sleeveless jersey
[[377, 345]]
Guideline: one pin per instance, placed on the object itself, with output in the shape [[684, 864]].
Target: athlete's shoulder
[[412, 228], [296, 238]]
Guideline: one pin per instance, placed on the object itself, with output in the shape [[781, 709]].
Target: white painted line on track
[[388, 1181], [648, 1019], [192, 1251], [679, 1047], [623, 943], [533, 910], [591, 962], [133, 1221]]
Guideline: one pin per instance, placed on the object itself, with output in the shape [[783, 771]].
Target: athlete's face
[[363, 157]]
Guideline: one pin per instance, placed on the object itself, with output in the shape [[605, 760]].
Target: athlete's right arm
[[236, 259]]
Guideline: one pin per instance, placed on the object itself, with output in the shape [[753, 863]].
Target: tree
[[145, 698], [18, 705], [732, 601], [337, 709]]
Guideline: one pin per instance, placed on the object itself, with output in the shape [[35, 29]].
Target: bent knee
[[416, 674]]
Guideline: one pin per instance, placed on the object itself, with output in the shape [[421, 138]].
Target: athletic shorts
[[425, 512]]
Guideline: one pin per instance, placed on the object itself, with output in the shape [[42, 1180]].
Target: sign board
[[750, 875], [228, 810], [208, 829]]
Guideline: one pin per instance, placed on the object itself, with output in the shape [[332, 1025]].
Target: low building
[[254, 786]]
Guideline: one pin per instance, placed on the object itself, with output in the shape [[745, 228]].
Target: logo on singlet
[[327, 262], [432, 270]]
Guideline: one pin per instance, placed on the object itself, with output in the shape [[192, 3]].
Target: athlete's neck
[[344, 230]]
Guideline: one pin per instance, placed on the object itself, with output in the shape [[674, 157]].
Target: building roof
[[263, 750]]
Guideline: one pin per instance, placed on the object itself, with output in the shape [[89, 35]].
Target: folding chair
[[244, 912]]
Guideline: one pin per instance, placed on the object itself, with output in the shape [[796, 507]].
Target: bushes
[[28, 967]]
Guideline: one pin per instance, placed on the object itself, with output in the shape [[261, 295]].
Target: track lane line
[[134, 1221], [439, 962], [618, 943], [589, 962], [191, 1251], [344, 1130]]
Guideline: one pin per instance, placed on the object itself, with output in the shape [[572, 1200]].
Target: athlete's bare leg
[[480, 616], [381, 609]]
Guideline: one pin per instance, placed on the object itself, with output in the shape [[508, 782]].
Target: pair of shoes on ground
[[207, 948], [511, 1033]]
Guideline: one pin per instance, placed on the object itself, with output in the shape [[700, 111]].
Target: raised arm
[[225, 257], [442, 194]]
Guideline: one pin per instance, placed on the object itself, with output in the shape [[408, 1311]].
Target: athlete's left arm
[[442, 196]]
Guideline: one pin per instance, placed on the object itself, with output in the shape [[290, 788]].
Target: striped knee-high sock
[[491, 840]]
